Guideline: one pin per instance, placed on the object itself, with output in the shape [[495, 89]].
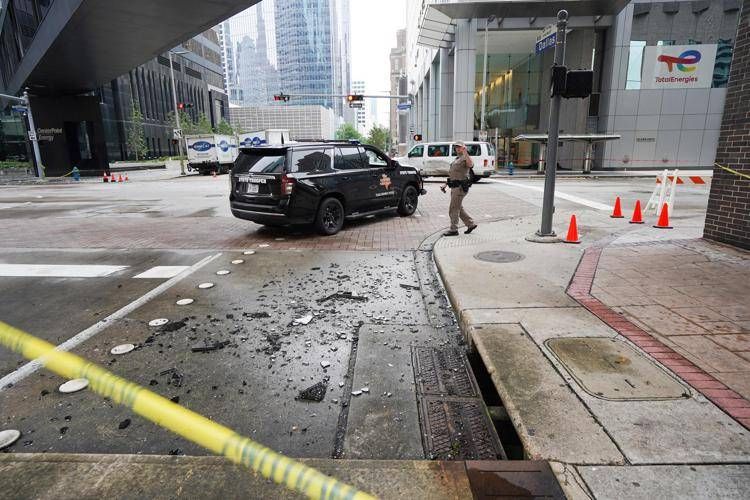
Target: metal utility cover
[[498, 256], [611, 369]]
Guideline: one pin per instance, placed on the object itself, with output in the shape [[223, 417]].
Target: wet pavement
[[253, 352]]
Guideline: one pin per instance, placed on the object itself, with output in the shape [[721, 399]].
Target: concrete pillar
[[434, 103], [445, 126], [464, 76], [425, 106]]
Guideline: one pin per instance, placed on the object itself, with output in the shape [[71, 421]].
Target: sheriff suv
[[320, 183]]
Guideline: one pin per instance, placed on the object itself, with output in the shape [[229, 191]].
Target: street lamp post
[[176, 111]]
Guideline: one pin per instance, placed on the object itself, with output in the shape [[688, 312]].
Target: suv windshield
[[265, 162]]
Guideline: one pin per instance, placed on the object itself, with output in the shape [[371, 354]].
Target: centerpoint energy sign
[[678, 66]]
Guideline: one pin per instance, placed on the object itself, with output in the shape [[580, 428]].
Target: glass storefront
[[512, 102]]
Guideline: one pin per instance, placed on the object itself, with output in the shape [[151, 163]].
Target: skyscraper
[[268, 50]]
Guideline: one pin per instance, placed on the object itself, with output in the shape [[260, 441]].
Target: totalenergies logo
[[685, 62]]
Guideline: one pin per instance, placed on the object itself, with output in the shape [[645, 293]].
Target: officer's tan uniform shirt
[[459, 169]]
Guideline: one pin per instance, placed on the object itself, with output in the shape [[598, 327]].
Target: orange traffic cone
[[572, 236], [104, 177], [663, 222], [119, 178], [617, 212], [126, 178], [637, 215]]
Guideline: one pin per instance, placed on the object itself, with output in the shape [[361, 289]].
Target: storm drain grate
[[458, 429], [443, 372]]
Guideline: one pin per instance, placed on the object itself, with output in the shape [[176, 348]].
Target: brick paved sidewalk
[[692, 295]]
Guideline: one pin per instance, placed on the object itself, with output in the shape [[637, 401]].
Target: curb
[[732, 403]]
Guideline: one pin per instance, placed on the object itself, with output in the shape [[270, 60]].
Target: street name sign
[[546, 39]]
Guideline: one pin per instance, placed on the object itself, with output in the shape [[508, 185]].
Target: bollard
[[510, 168], [76, 174]]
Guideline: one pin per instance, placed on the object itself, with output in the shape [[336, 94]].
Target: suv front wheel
[[409, 199], [330, 217]]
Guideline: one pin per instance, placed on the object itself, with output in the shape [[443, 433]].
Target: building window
[[723, 61], [635, 62]]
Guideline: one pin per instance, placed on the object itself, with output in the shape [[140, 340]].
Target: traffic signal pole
[[546, 233], [176, 114]]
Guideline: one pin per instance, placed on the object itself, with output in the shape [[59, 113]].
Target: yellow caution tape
[[188, 424], [732, 171]]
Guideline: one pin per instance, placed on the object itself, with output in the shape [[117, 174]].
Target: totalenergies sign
[[678, 66]]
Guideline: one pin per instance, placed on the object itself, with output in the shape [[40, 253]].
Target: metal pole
[[548, 204], [33, 137], [484, 79], [176, 113]]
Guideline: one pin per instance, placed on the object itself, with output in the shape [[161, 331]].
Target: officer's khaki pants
[[456, 209]]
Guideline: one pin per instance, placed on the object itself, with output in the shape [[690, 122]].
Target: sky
[[373, 34]]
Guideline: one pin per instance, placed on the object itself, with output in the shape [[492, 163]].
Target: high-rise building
[[398, 71], [266, 51], [360, 114]]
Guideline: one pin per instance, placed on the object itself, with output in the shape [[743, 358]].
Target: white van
[[211, 152], [434, 158]]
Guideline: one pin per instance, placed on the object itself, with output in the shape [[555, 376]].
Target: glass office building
[[667, 116]]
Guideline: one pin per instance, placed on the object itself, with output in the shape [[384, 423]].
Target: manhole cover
[[498, 256], [458, 429], [611, 369], [443, 372]]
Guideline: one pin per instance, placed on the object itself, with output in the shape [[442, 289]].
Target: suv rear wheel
[[409, 199], [330, 217]]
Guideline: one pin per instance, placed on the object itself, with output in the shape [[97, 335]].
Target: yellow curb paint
[[188, 424]]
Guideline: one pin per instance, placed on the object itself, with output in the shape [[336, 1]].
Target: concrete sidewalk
[[585, 387]]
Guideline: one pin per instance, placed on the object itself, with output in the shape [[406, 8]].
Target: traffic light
[[281, 97], [418, 137], [355, 98], [578, 83], [184, 105]]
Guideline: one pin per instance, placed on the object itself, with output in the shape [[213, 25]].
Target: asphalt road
[[236, 353]]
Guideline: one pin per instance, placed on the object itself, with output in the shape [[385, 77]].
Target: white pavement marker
[[57, 271], [161, 272], [569, 197], [24, 371]]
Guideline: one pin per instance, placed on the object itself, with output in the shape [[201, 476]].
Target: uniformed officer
[[458, 181]]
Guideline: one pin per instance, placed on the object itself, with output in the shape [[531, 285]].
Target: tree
[[136, 135], [203, 126], [224, 128], [380, 137], [347, 132], [186, 122]]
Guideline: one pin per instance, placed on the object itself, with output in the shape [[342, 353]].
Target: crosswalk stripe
[[58, 271], [161, 272]]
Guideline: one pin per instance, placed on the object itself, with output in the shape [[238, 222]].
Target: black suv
[[320, 183]]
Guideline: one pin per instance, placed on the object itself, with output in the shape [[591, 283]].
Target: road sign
[[32, 135], [546, 39], [19, 109], [403, 106], [177, 133], [356, 104]]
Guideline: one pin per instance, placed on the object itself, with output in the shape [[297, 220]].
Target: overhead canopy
[[458, 9], [82, 44], [435, 29], [542, 138]]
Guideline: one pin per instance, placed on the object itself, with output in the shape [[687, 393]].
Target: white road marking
[[32, 366], [558, 194], [13, 205], [161, 272], [58, 271]]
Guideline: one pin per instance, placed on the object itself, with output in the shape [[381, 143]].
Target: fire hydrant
[[510, 168], [76, 174]]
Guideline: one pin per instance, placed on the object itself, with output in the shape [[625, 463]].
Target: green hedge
[[15, 164]]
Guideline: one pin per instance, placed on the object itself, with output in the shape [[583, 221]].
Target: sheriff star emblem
[[385, 181]]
